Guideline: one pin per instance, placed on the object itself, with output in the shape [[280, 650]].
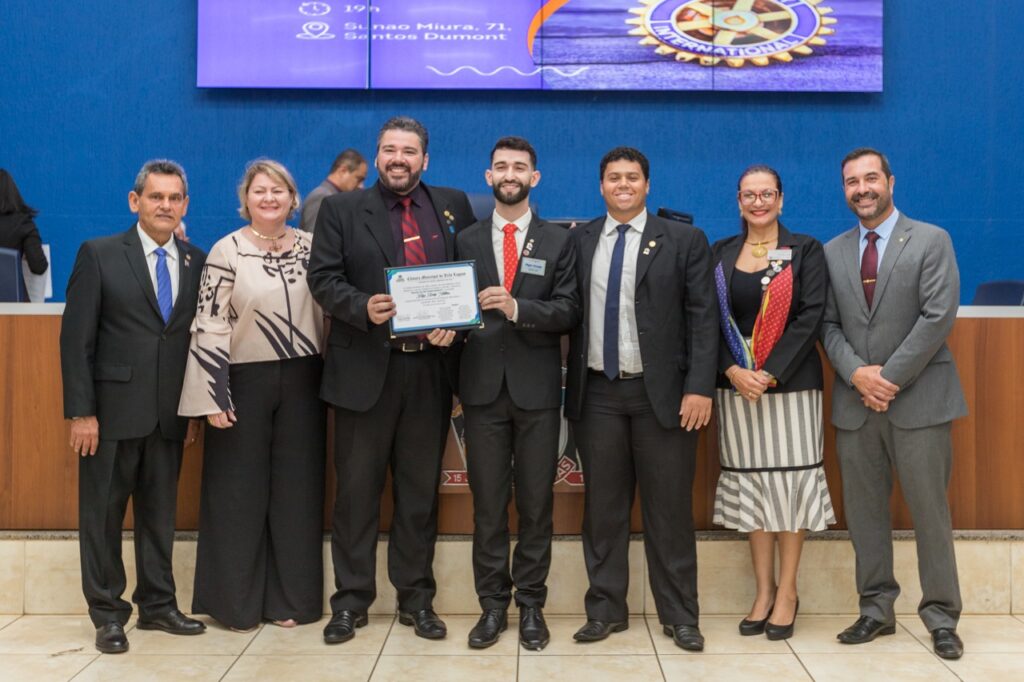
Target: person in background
[[17, 228], [254, 370], [348, 172], [771, 287]]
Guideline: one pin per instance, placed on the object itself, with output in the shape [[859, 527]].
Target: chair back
[[1001, 292], [12, 286]]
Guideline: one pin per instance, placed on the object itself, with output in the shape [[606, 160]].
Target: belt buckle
[[411, 347]]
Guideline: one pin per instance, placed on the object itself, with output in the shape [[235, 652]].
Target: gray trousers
[[922, 458]]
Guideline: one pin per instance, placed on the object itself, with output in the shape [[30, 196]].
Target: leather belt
[[408, 346], [624, 376]]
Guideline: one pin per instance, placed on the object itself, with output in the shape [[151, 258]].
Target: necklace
[[760, 250], [273, 239]]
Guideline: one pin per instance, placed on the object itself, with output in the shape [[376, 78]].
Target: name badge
[[780, 254], [534, 266]]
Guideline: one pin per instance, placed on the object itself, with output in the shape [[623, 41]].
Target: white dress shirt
[[884, 231], [149, 247], [498, 243], [629, 340]]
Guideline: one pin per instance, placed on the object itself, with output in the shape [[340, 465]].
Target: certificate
[[436, 296]]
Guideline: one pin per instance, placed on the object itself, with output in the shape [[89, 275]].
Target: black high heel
[[755, 627], [776, 632]]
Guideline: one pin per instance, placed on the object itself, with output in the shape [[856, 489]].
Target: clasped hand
[[876, 391], [749, 383]]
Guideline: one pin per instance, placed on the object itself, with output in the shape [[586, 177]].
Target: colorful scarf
[[771, 318]]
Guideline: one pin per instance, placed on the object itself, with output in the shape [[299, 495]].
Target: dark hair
[[627, 154], [409, 125], [160, 167], [10, 197], [867, 151], [350, 159], [757, 168], [519, 144]]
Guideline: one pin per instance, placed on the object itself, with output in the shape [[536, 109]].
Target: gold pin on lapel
[[647, 252], [652, 243]]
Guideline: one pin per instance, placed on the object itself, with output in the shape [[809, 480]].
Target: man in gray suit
[[348, 172], [892, 302]]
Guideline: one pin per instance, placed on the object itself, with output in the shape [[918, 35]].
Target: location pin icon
[[315, 30]]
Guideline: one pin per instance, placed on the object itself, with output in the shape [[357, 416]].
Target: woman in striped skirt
[[771, 288]]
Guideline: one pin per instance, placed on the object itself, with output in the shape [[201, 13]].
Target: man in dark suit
[[348, 172], [641, 375], [511, 390], [893, 299], [123, 346], [392, 397]]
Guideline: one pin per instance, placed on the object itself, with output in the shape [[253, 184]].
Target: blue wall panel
[[90, 90]]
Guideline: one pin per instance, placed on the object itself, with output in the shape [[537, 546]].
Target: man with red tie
[[392, 397], [511, 389]]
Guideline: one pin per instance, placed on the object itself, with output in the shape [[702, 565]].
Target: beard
[[511, 199], [882, 205], [402, 186]]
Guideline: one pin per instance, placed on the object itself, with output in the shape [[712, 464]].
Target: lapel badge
[[528, 249], [188, 259], [647, 252], [652, 243]]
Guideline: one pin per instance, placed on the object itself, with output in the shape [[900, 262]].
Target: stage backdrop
[[91, 90]]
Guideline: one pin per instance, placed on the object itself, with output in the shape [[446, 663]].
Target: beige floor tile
[[567, 581], [725, 668], [42, 667], [826, 582], [48, 635], [157, 668], [7, 620], [983, 568], [857, 667], [817, 635], [589, 668], [307, 668], [1017, 576], [53, 581], [403, 640], [725, 578], [981, 634], [453, 569], [978, 667], [386, 601], [216, 641], [183, 561], [447, 668], [720, 637], [12, 576], [635, 641], [309, 639]]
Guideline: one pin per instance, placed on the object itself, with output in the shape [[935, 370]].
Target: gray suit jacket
[[311, 206], [915, 304]]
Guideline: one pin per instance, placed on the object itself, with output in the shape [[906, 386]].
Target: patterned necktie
[[611, 306], [415, 254], [164, 296], [869, 267], [510, 253]]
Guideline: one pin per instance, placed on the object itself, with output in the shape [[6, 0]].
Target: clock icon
[[314, 9]]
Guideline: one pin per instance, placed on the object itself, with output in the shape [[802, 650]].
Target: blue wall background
[[90, 90]]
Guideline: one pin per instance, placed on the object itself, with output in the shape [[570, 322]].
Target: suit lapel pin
[[647, 252], [652, 243], [901, 240], [529, 248], [188, 259]]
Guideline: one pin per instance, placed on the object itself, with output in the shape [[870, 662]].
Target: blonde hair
[[275, 171]]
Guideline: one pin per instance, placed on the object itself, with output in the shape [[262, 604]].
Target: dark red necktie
[[869, 267], [510, 252], [415, 254]]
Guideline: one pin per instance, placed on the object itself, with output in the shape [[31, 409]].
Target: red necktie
[[415, 254], [869, 267], [510, 252]]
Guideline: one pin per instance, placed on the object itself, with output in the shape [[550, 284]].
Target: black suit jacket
[[352, 245], [119, 361], [676, 316], [18, 231], [794, 360], [527, 355]]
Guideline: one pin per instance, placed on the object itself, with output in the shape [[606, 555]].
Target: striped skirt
[[773, 477]]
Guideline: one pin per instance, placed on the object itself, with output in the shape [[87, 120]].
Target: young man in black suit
[[392, 397], [511, 391], [642, 366], [123, 346]]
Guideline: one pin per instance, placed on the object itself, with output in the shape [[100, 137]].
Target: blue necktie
[[611, 306], [163, 284]]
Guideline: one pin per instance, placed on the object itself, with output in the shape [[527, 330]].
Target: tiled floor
[[59, 648]]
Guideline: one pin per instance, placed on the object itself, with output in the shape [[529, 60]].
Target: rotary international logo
[[733, 31]]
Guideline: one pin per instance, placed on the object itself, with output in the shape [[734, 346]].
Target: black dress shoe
[[947, 644], [864, 630], [533, 631], [492, 623], [110, 639], [425, 622], [749, 627], [342, 626], [596, 630], [685, 636], [174, 622], [776, 632]]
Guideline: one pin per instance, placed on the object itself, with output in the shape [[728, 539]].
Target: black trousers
[[260, 550], [507, 445], [405, 431], [621, 445], [145, 469]]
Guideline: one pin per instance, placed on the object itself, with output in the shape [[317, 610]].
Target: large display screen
[[783, 45]]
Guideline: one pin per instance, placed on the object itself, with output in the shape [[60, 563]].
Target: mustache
[[865, 195], [398, 164]]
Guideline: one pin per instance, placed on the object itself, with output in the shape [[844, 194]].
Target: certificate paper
[[437, 296]]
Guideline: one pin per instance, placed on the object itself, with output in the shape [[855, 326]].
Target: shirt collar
[[149, 246], [637, 223], [392, 199], [884, 230], [522, 223]]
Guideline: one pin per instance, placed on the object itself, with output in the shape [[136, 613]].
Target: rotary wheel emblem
[[733, 31]]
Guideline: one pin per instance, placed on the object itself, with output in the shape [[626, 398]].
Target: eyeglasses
[[767, 197]]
